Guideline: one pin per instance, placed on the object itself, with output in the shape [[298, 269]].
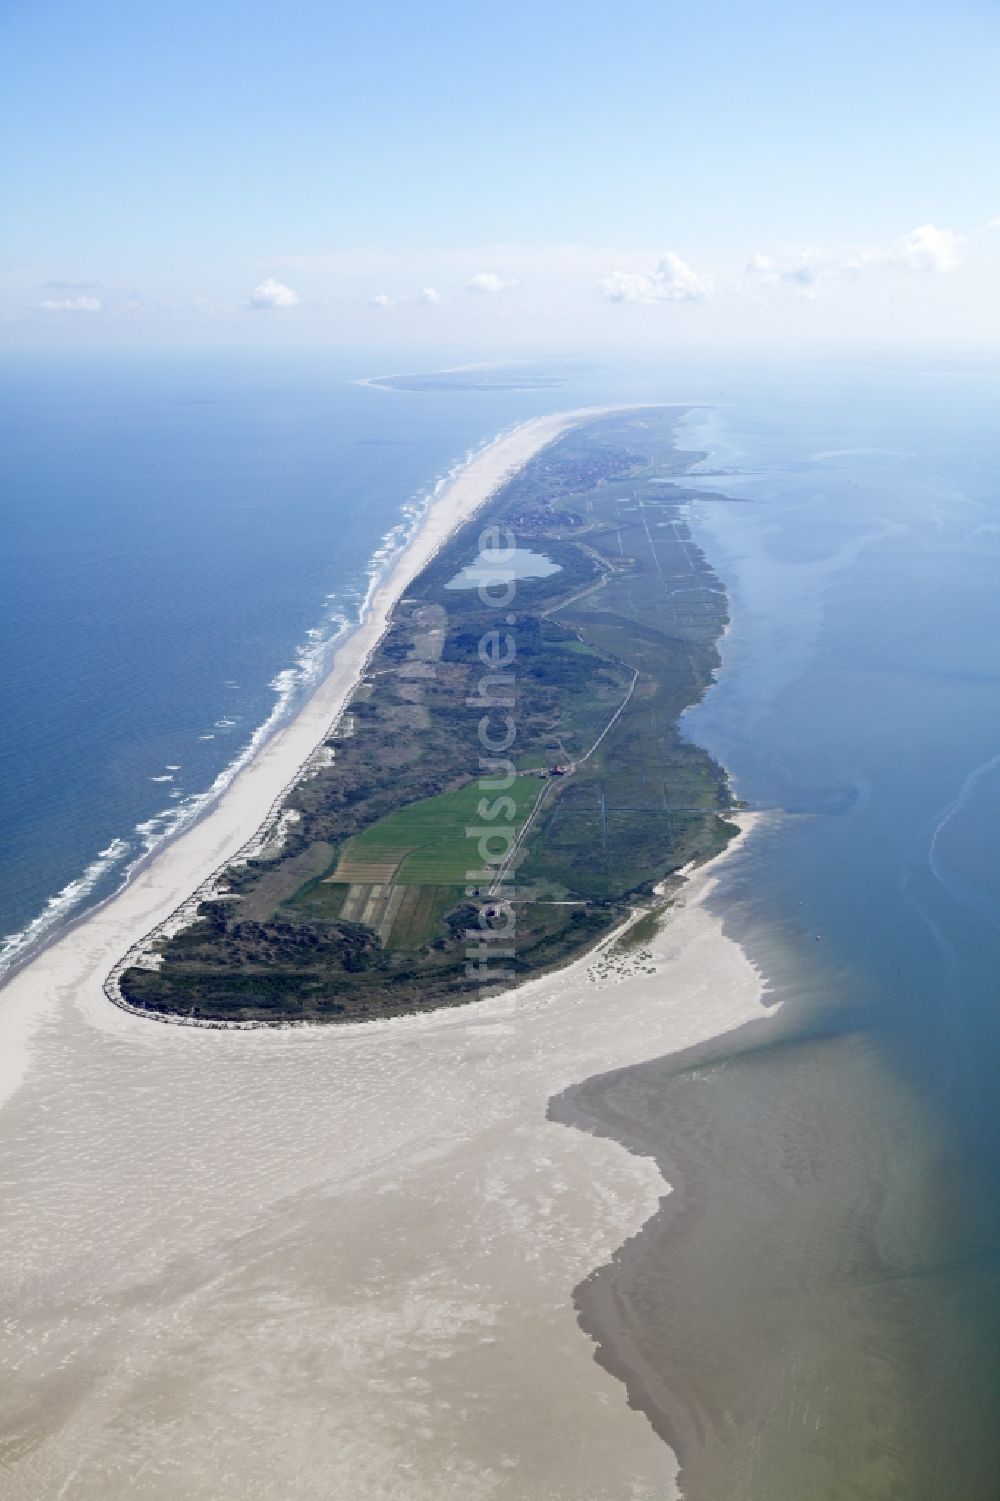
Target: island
[[501, 375], [509, 781]]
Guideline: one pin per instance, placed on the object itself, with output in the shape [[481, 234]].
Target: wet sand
[[777, 1319], [334, 1262]]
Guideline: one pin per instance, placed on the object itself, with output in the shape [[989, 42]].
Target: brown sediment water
[[783, 1319]]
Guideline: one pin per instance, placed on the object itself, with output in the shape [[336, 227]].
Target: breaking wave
[[113, 866]]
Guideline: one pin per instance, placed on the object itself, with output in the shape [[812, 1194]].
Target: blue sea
[[186, 535], [184, 538], [858, 705]]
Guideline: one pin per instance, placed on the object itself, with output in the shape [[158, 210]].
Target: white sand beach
[[326, 1262]]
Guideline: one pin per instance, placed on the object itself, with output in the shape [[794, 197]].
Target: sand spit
[[336, 1262], [327, 1262]]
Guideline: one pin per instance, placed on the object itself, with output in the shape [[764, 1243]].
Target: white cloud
[[926, 248], [72, 305], [766, 270], [72, 286], [489, 281], [801, 275], [627, 286], [430, 294], [273, 294], [672, 281], [804, 274], [382, 299]]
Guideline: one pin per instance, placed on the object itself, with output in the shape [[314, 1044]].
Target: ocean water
[[858, 703], [815, 1312], [184, 537], [859, 695], [183, 540]]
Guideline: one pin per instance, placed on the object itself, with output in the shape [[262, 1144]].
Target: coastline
[[448, 1108], [228, 987], [174, 874], [311, 667], [626, 1105], [287, 1229]]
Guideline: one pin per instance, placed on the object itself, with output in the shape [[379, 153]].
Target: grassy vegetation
[[428, 842], [642, 932], [366, 911]]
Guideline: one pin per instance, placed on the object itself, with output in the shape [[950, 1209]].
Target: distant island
[[509, 779], [507, 375]]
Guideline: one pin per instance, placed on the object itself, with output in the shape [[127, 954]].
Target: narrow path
[[504, 867], [615, 716]]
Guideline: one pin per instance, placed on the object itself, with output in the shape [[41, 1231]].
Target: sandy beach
[[328, 1262]]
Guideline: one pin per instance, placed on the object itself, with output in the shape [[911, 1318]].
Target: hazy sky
[[544, 173]]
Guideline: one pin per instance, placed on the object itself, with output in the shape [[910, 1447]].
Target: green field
[[580, 649], [426, 844], [402, 874]]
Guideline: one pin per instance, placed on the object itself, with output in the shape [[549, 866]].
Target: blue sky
[[549, 171]]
